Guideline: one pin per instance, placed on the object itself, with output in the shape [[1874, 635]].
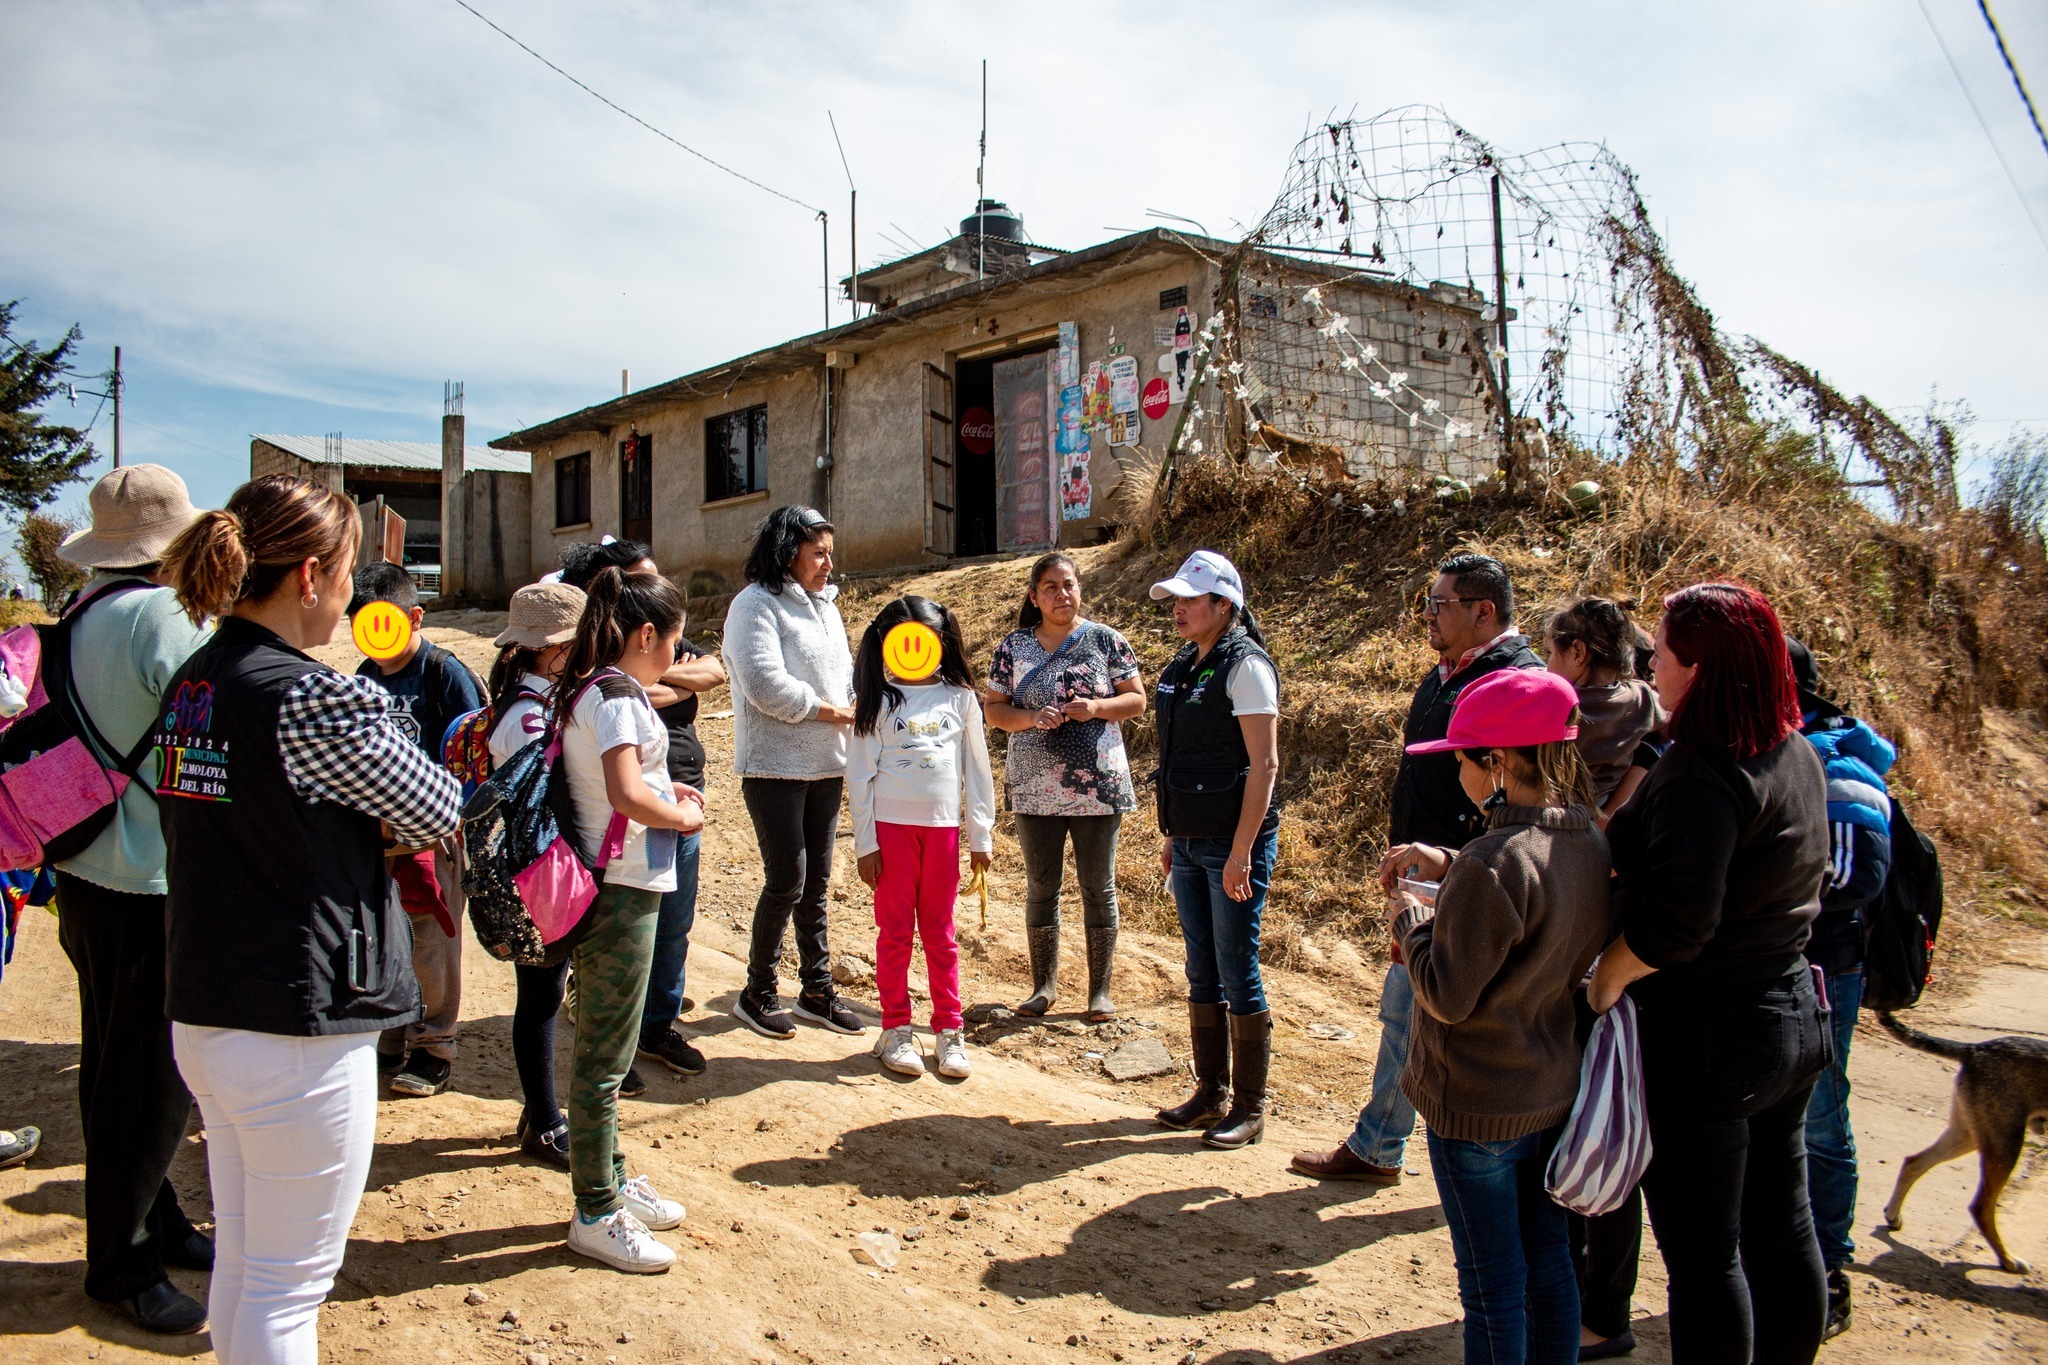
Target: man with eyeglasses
[[1470, 613]]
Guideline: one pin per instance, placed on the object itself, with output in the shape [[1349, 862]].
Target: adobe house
[[408, 476], [931, 429]]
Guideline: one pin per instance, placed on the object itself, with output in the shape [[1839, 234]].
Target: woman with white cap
[[128, 637], [540, 626], [1219, 760]]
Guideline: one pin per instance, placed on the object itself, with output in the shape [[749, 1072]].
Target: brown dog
[[2001, 1089]]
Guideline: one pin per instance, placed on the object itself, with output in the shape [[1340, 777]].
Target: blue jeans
[[1512, 1248], [1222, 935], [1381, 1136], [1830, 1144], [672, 940]]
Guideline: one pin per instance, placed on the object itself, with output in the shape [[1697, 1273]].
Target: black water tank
[[996, 219]]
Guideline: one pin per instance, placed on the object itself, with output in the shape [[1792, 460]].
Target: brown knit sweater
[[1522, 913]]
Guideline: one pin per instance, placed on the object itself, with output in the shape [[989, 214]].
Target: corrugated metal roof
[[398, 454]]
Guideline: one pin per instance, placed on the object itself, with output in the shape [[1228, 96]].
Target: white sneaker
[[640, 1199], [953, 1053], [621, 1242], [897, 1047]]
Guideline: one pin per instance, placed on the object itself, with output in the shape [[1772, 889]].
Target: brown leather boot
[[1209, 1040], [1343, 1164], [1251, 1057], [1044, 945]]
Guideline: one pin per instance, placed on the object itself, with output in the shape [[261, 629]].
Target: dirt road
[[1088, 1233]]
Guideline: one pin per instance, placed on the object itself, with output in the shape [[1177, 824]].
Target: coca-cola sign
[[977, 431]]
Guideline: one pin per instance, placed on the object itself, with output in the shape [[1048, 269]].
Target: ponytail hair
[[1242, 618], [871, 685], [616, 604], [513, 663], [245, 551], [1029, 617]]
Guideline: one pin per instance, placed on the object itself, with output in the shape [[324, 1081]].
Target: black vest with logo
[[281, 917], [1203, 761]]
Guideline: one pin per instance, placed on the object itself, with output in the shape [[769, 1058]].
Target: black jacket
[[1429, 805], [1203, 759], [270, 893]]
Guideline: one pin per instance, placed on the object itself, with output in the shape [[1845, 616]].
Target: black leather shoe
[[551, 1146], [1612, 1348], [193, 1251], [167, 1310]]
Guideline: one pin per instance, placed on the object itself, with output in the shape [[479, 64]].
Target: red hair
[[1743, 699]]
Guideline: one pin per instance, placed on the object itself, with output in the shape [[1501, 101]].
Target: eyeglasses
[[1432, 606]]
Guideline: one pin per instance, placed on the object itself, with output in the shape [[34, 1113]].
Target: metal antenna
[[981, 185], [852, 216]]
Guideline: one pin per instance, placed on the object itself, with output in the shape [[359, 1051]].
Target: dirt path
[[1089, 1233]]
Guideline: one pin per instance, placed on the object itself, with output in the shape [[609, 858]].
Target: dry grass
[[1924, 631]]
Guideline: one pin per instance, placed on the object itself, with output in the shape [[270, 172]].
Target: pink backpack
[[59, 777]]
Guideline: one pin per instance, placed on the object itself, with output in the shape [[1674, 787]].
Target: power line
[[709, 161], [1984, 8]]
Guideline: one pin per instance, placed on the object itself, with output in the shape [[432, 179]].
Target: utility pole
[[981, 185], [1500, 317], [115, 389]]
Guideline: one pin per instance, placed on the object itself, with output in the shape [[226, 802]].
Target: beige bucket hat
[[542, 614], [137, 511]]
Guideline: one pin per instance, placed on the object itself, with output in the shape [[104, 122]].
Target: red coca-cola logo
[[1154, 400], [978, 431]]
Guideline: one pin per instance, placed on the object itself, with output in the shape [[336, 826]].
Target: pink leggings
[[914, 895]]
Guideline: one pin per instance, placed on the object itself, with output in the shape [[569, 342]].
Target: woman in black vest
[[287, 953], [1219, 757]]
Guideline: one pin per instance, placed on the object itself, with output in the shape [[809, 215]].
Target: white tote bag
[[1605, 1146]]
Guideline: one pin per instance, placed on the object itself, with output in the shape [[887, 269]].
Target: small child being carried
[[917, 740]]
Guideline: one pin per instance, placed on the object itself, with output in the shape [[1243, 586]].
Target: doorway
[[974, 457], [1001, 448]]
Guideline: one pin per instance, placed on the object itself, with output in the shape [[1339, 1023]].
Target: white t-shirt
[[910, 771], [1254, 687], [524, 721], [598, 725]]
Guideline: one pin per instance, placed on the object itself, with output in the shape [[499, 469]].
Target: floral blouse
[[1080, 768]]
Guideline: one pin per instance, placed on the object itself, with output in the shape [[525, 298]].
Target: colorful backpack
[[59, 777], [529, 888]]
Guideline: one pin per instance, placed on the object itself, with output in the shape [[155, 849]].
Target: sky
[[304, 217]]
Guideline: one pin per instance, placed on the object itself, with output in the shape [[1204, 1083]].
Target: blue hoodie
[[1856, 758]]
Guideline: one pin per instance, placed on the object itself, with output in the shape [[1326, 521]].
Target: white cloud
[[341, 205]]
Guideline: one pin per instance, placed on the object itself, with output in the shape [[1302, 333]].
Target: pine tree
[[36, 457]]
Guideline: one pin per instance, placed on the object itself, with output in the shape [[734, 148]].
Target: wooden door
[[940, 484], [636, 489]]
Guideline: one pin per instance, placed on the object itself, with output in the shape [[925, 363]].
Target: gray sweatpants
[[437, 962]]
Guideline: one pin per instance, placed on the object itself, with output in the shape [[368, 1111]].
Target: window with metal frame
[[572, 490], [736, 453]]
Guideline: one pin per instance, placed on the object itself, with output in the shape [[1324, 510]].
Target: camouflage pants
[[612, 965]]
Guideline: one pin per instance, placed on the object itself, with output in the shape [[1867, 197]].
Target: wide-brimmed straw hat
[[1510, 709], [542, 614], [137, 511]]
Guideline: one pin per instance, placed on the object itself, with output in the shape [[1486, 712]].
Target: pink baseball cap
[[1507, 710]]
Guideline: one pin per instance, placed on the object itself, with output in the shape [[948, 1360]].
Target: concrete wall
[[877, 495], [265, 458], [494, 554]]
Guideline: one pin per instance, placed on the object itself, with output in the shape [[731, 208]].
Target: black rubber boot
[[1209, 1040], [1044, 944], [1101, 961], [1251, 1057]]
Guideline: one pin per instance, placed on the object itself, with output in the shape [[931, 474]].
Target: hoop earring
[[310, 600]]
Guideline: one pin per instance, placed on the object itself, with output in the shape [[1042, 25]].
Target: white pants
[[290, 1123]]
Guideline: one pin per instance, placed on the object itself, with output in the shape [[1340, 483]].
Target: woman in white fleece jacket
[[792, 692], [917, 741]]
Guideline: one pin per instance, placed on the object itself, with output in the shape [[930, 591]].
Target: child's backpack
[[59, 777], [466, 743], [529, 889], [1901, 923]]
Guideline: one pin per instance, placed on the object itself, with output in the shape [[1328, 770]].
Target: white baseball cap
[[1201, 573]]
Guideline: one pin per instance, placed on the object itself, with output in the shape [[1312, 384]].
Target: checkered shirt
[[340, 744]]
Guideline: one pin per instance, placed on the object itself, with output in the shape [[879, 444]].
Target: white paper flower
[[1430, 405], [1241, 394], [1400, 507], [1312, 295], [1335, 327], [1414, 419], [1252, 425], [1382, 391], [1398, 378], [1235, 367], [1371, 353], [1349, 362]]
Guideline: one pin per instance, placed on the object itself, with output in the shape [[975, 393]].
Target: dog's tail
[[1912, 1037]]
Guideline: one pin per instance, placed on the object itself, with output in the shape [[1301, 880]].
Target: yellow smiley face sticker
[[382, 631], [911, 651]]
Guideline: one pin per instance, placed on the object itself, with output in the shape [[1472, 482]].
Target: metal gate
[[940, 486]]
